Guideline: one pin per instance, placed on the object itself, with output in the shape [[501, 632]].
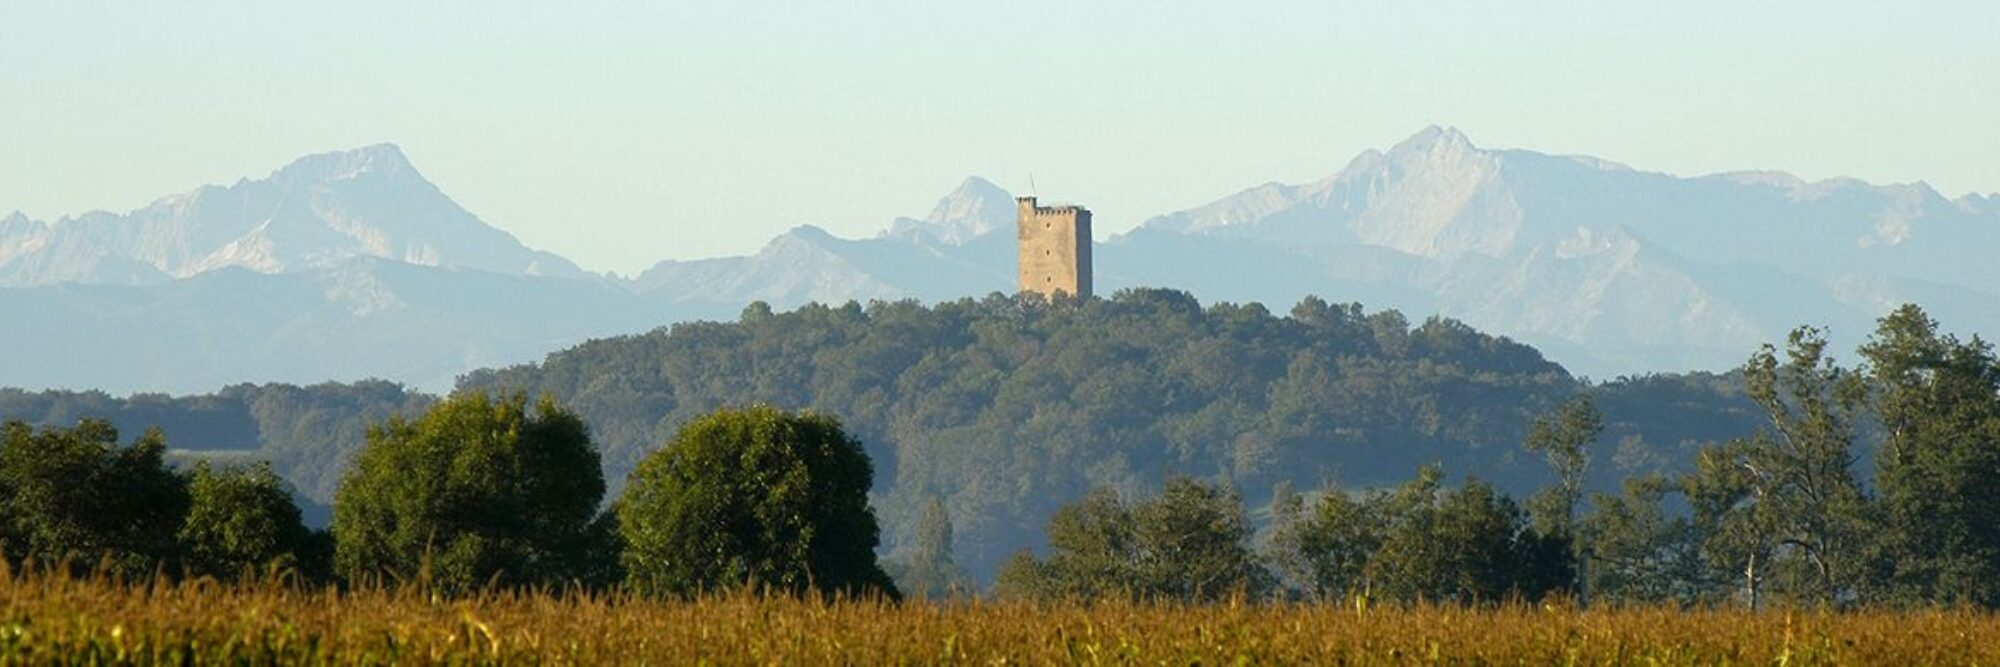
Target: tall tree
[[752, 498], [1938, 469], [477, 489], [1565, 438], [1785, 503]]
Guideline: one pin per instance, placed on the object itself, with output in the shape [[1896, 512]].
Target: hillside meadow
[[49, 619]]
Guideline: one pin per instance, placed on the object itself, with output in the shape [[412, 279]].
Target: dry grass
[[53, 619]]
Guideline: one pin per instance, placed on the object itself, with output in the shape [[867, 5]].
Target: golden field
[[53, 619]]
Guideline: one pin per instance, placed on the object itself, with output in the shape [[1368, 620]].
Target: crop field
[[53, 619]]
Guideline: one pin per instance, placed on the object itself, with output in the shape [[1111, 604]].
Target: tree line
[[1793, 479], [485, 490], [477, 492], [1002, 409], [1781, 515]]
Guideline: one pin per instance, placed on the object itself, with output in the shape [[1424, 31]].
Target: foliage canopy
[[753, 498], [74, 495], [478, 489]]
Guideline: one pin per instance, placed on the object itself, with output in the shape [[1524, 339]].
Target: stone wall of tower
[[1055, 248]]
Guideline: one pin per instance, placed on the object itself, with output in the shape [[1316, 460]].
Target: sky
[[619, 134]]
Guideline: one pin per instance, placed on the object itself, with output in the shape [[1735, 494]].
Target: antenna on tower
[[1031, 186]]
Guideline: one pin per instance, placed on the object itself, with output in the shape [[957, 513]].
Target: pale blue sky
[[626, 133]]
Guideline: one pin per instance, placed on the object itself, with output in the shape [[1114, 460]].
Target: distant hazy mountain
[[347, 265], [315, 213], [340, 266], [1609, 269]]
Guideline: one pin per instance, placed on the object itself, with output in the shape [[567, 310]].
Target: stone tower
[[1055, 248]]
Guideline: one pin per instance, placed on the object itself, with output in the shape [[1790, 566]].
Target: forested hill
[[1006, 409]]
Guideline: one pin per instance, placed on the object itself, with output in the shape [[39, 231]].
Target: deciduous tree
[[242, 519], [1784, 505], [476, 490], [74, 495], [1189, 543], [753, 498], [1565, 438], [1938, 469]]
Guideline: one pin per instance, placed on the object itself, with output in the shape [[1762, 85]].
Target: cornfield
[[53, 618]]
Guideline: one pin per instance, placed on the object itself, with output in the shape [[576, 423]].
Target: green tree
[[930, 571], [1422, 541], [1938, 469], [1191, 543], [73, 495], [1783, 505], [1339, 536], [1565, 438], [478, 489], [1466, 545], [752, 498], [1195, 544], [242, 519], [1091, 547], [1640, 554]]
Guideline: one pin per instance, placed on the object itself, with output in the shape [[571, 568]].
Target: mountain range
[[350, 265]]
